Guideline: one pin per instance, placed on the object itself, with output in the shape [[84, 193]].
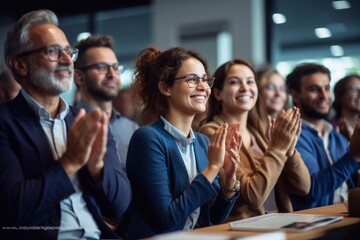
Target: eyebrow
[[318, 86]]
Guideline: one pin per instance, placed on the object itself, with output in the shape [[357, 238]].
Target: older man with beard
[[97, 75], [60, 176], [332, 162]]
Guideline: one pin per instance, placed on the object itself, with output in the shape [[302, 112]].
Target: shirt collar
[[41, 112], [327, 126], [177, 134]]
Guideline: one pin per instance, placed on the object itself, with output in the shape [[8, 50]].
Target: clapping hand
[[86, 144], [285, 131], [344, 128], [232, 154]]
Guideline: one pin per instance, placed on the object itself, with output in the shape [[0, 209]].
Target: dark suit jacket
[[163, 198], [33, 183]]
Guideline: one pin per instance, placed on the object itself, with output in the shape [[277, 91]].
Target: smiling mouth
[[246, 97], [323, 105], [110, 85], [198, 97]]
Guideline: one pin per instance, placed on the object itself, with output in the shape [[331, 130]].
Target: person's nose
[[277, 91], [201, 85], [243, 86], [323, 92], [111, 72], [65, 57]]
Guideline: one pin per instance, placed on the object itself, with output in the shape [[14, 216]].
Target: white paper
[[284, 221], [188, 235]]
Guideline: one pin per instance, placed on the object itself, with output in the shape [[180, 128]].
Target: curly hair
[[153, 66]]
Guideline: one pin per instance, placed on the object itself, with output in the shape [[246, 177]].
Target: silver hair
[[17, 39]]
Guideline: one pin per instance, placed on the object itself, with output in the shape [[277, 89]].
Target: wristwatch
[[236, 187]]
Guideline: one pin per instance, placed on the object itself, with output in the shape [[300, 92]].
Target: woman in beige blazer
[[270, 167]]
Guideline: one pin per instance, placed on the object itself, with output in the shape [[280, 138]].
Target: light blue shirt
[[122, 129], [76, 220], [186, 148]]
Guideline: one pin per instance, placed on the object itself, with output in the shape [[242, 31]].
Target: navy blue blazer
[[33, 183], [163, 198]]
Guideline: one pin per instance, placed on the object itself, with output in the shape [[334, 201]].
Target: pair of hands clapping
[[224, 155], [285, 130], [86, 144]]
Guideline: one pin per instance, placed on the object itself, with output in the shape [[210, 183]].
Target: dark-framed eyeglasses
[[193, 80], [54, 52], [104, 67]]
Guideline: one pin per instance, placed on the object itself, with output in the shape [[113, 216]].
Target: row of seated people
[[68, 173]]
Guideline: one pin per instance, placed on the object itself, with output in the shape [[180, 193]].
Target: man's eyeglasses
[[54, 52], [193, 80], [103, 67]]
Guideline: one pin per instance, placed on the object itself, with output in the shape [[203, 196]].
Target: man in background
[[97, 74], [332, 163]]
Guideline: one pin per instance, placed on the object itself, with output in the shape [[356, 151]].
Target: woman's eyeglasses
[[193, 80]]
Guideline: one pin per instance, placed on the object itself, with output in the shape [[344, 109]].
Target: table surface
[[336, 209]]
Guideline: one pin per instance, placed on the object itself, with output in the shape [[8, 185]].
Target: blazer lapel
[[32, 128], [200, 156]]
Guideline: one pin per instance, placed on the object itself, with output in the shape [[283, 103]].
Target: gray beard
[[44, 79]]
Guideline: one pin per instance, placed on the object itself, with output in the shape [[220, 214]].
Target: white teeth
[[199, 97], [244, 97]]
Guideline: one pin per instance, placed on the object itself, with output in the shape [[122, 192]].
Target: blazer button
[[55, 221]]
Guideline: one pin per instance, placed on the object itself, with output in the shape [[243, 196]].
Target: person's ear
[[19, 66], [164, 88], [79, 77]]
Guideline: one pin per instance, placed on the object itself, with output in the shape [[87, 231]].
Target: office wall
[[242, 19]]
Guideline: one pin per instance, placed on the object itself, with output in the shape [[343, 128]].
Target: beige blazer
[[259, 177]]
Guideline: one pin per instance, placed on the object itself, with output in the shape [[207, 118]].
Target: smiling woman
[[347, 104], [264, 152], [272, 90], [173, 170]]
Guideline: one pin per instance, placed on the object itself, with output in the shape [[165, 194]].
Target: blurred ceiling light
[[83, 36], [278, 18], [322, 32], [337, 50], [339, 5]]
